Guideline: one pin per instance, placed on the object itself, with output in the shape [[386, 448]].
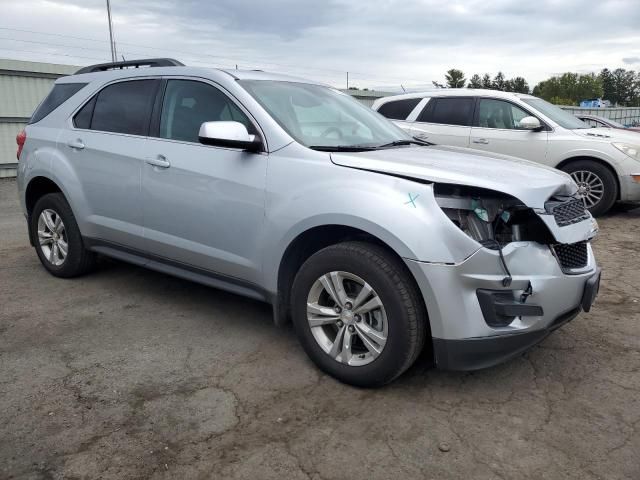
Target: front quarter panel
[[305, 190]]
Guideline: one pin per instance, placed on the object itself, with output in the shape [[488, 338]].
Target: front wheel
[[358, 314], [596, 184]]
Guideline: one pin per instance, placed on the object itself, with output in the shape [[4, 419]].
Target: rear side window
[[123, 107], [59, 94], [83, 117], [399, 109], [448, 111]]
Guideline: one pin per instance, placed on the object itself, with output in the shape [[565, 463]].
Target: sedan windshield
[[324, 118], [561, 117]]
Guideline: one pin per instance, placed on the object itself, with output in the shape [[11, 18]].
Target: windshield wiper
[[342, 148], [368, 148], [399, 143]]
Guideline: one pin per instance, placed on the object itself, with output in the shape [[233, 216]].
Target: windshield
[[561, 117], [323, 118]]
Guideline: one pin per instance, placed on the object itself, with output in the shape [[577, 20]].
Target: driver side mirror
[[228, 134], [530, 123]]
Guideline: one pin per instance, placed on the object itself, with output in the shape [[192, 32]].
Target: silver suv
[[374, 244]]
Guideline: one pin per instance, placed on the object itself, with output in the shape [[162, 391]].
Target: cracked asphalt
[[127, 373]]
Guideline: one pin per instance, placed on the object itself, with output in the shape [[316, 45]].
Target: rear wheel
[[596, 184], [358, 313], [57, 238]]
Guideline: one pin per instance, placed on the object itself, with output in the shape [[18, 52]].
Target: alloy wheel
[[52, 237], [590, 187], [347, 318]]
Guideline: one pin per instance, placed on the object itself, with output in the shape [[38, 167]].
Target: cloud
[[631, 60], [379, 42]]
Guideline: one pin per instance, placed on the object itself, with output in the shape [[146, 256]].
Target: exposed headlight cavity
[[490, 218]]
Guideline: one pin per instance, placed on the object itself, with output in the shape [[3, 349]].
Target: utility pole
[[347, 80], [114, 55]]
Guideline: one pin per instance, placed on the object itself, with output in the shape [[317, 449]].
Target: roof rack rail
[[145, 62]]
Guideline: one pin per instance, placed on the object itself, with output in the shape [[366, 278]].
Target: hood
[[529, 182], [609, 134]]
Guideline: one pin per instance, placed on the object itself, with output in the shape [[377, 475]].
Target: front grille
[[569, 212], [572, 256]]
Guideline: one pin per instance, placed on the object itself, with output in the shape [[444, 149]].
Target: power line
[[339, 73]]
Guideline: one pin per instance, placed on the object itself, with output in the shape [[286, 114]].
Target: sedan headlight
[[628, 149]]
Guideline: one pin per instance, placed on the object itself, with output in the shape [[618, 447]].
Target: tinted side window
[[499, 114], [83, 117], [188, 104], [57, 96], [448, 111], [125, 107], [399, 109]]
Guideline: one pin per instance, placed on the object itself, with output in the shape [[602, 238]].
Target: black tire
[[610, 190], [78, 260], [405, 311]]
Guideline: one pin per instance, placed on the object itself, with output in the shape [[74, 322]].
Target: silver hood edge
[[531, 183]]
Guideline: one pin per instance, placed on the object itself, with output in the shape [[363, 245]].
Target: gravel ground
[[128, 373]]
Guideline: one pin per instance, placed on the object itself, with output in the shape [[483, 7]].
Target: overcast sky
[[380, 42]]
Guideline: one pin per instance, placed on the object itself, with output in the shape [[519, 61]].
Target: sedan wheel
[[52, 237], [347, 318], [596, 183], [590, 187]]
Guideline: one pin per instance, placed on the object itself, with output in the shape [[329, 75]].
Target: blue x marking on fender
[[412, 200]]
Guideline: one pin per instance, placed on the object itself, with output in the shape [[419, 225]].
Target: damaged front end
[[533, 271], [495, 219]]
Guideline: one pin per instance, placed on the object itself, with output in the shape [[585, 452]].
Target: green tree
[[499, 82], [608, 85], [475, 82], [625, 84], [519, 85], [455, 78], [569, 88], [486, 81]]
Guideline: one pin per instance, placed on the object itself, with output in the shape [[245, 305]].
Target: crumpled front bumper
[[463, 339]]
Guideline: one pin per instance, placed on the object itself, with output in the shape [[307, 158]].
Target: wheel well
[[38, 187], [310, 242], [605, 164]]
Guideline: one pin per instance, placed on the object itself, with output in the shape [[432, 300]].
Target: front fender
[[400, 212]]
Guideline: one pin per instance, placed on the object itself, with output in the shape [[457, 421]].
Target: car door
[[496, 129], [105, 147], [203, 206], [445, 121]]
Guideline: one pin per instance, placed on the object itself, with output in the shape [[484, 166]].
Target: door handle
[[481, 141], [159, 161], [76, 144]]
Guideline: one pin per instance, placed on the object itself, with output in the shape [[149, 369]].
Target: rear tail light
[[20, 139]]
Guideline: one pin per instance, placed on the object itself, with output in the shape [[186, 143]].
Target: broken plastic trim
[[492, 219]]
